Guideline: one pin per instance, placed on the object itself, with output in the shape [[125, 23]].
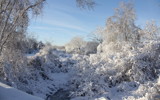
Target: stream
[[60, 95]]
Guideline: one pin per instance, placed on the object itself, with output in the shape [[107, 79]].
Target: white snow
[[10, 93], [123, 73], [101, 98], [60, 79]]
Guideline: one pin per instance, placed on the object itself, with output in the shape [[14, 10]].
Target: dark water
[[60, 95]]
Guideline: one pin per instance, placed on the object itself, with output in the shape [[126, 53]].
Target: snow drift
[[9, 93]]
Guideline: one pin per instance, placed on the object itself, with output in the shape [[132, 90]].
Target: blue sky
[[62, 19]]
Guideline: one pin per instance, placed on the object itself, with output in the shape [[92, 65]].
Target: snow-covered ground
[[10, 93], [120, 72]]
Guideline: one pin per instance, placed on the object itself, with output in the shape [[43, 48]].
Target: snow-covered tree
[[14, 19], [151, 30], [97, 35], [121, 26], [75, 45], [90, 47]]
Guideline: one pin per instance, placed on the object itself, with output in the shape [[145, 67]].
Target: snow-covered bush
[[32, 45], [39, 78], [151, 30], [147, 91], [76, 45], [48, 57], [12, 60], [90, 48], [118, 64]]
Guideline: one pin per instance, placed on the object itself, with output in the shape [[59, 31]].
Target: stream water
[[60, 95]]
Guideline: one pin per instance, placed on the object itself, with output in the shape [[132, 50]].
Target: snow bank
[[9, 93]]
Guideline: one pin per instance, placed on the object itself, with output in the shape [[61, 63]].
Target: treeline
[[120, 27]]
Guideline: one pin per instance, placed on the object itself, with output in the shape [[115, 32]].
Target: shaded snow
[[60, 79], [9, 93]]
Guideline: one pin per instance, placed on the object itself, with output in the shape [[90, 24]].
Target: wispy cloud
[[59, 21], [41, 28], [66, 25], [64, 16]]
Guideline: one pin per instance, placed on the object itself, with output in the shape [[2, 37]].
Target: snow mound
[[9, 93]]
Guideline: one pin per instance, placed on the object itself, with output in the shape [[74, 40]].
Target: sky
[[62, 20]]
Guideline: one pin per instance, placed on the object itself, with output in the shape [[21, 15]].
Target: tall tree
[[14, 17], [97, 35], [151, 30], [121, 26]]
